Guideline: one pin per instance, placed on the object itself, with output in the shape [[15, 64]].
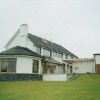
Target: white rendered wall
[[97, 58], [14, 43], [83, 67], [54, 77], [23, 42], [30, 45], [24, 65], [21, 39]]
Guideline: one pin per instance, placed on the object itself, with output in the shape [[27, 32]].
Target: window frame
[[46, 51], [8, 60], [56, 54], [37, 66]]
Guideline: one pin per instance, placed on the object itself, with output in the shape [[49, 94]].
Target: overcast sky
[[74, 24]]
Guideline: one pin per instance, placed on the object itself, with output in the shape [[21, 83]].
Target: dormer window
[[61, 56], [38, 50], [46, 52], [66, 56], [58, 55]]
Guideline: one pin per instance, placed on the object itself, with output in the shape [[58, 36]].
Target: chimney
[[23, 30]]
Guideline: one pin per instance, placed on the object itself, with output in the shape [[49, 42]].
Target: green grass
[[85, 87]]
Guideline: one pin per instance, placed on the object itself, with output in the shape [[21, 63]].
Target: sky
[[74, 24]]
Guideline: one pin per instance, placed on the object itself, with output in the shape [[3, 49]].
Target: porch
[[54, 70], [80, 65]]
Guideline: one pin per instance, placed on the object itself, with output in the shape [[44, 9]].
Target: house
[[97, 63], [29, 57]]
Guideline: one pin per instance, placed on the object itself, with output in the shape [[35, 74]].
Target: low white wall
[[54, 77], [24, 65], [83, 67]]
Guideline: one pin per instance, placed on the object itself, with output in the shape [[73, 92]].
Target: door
[[98, 68]]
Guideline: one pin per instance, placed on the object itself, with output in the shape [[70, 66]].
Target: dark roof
[[51, 60], [49, 45], [20, 51]]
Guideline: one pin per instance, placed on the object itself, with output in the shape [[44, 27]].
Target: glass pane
[[54, 53], [38, 50], [46, 52], [35, 66], [12, 66], [4, 66]]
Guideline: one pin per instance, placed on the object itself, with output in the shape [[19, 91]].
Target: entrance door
[[98, 68]]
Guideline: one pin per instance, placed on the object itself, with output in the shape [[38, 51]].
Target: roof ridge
[[39, 37]]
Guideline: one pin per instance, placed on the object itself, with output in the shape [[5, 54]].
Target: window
[[54, 53], [66, 56], [8, 65], [38, 50], [58, 54], [35, 66], [46, 52], [61, 56], [4, 66]]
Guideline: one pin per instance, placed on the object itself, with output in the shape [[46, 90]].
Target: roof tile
[[49, 45], [20, 51]]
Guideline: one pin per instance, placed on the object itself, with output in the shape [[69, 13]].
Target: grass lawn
[[85, 87]]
